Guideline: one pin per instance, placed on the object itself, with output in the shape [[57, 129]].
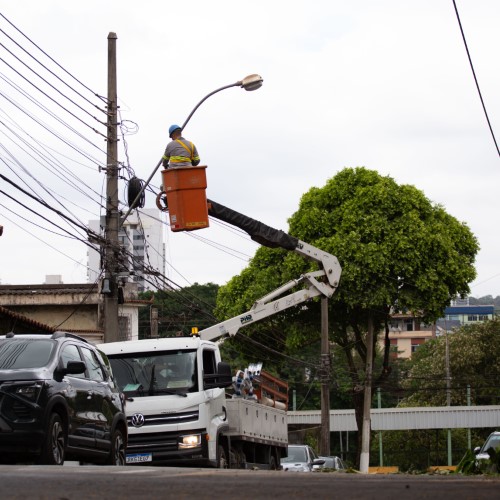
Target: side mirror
[[318, 461], [224, 375], [223, 378], [477, 449], [74, 368]]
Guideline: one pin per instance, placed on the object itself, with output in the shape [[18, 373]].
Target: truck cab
[[175, 393]]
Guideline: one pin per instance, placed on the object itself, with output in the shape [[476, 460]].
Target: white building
[[142, 239]]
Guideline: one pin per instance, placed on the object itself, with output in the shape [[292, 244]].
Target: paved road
[[145, 483]]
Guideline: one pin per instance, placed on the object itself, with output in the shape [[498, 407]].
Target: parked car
[[58, 400], [332, 462], [301, 458], [493, 441]]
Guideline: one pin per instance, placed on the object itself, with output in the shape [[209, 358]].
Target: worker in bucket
[[179, 151]]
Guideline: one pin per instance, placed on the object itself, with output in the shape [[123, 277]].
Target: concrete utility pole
[[364, 460], [325, 380], [112, 213], [448, 391]]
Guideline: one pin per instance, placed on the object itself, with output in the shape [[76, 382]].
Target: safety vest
[[184, 159]]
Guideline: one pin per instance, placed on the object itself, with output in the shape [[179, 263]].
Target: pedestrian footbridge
[[392, 419]]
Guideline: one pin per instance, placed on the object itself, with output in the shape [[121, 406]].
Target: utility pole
[[111, 251], [325, 380], [448, 390], [364, 461]]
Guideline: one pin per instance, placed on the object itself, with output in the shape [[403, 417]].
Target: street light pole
[[249, 83]]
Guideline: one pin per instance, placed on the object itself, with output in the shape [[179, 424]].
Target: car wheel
[[54, 445], [117, 454], [222, 462]]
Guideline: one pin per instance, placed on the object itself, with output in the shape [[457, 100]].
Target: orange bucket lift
[[185, 189]]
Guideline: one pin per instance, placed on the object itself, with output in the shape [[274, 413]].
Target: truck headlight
[[190, 441]]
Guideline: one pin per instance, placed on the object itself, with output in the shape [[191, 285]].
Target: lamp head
[[251, 82]]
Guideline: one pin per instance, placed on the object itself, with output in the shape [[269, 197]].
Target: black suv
[[58, 400]]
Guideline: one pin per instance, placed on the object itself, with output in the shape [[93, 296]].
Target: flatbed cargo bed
[[252, 421]]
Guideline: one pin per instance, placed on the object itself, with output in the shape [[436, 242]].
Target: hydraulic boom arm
[[322, 282]]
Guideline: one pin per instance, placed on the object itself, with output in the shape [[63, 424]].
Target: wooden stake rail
[[272, 386]]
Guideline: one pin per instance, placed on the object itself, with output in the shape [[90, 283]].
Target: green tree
[[179, 310], [474, 360], [398, 251]]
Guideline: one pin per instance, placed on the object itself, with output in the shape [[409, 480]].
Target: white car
[[493, 441], [301, 458]]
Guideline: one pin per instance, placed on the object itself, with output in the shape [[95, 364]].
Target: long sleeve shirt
[[180, 153]]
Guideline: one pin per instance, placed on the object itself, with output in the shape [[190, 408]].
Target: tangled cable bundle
[[134, 188]]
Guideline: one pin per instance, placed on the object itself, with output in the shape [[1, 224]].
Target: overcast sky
[[384, 84]]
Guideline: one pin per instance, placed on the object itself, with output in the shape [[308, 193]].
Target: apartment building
[[141, 238]]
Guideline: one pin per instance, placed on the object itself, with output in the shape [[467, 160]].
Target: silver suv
[[301, 458]]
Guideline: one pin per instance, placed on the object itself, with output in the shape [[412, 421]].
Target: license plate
[[139, 457]]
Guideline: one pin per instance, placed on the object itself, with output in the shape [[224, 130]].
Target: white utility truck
[[177, 409]]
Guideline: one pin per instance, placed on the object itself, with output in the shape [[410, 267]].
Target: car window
[[492, 442], [93, 366], [17, 354], [103, 359], [71, 353], [296, 454], [312, 454]]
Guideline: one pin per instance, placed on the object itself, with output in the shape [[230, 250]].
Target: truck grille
[[157, 441], [162, 419]]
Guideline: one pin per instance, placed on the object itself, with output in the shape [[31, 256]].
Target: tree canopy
[[179, 310], [398, 252], [396, 248], [474, 360]]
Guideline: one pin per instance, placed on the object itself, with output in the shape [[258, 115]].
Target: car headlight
[[29, 392], [190, 441]]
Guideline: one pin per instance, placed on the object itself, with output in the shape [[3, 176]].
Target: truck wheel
[[242, 459], [54, 444], [222, 462], [235, 458], [117, 454]]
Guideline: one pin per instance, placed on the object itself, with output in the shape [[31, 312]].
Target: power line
[[475, 78], [53, 60], [44, 242]]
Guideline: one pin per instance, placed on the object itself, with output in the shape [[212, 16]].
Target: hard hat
[[172, 129]]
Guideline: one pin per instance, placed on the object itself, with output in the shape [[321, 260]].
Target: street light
[[249, 83]]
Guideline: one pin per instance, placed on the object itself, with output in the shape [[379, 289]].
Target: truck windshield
[[156, 373]]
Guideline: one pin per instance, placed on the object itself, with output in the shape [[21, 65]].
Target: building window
[[409, 325], [483, 317], [416, 343], [472, 317], [124, 328]]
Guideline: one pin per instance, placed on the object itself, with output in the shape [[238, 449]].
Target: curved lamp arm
[[250, 82]]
